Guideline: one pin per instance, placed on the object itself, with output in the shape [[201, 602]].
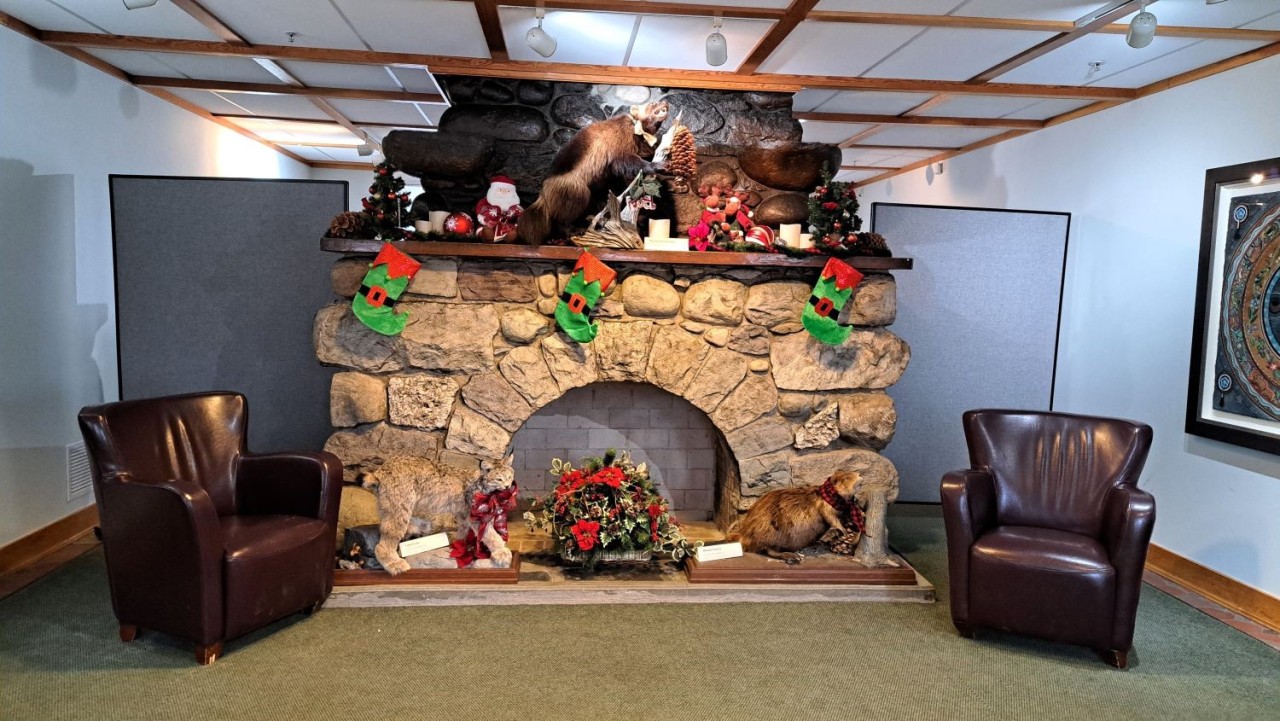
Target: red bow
[[486, 508]]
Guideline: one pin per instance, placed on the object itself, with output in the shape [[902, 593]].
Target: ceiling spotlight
[[538, 39], [364, 150], [1142, 29], [717, 46], [137, 4], [1256, 178]]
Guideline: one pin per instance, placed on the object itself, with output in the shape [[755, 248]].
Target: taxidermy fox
[[786, 520], [606, 153]]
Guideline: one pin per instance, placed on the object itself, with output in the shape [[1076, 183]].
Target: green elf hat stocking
[[382, 286], [822, 312], [589, 281]]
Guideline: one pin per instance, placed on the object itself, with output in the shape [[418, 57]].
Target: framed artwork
[[1234, 393]]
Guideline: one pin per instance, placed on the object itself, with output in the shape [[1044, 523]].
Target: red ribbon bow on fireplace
[[486, 508]]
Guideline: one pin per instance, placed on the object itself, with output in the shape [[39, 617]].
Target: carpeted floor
[[60, 659]]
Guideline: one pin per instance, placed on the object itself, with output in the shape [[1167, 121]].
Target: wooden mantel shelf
[[608, 255]]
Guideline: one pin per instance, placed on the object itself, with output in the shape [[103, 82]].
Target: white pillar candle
[[659, 228], [790, 234], [437, 219], [806, 241]]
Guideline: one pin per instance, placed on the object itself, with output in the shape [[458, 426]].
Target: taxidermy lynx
[[413, 492]]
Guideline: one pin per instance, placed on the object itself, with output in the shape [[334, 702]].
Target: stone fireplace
[[481, 355]]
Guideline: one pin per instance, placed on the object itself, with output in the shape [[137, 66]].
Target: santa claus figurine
[[499, 210]]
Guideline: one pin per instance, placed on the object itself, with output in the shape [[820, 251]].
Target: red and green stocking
[[822, 312], [589, 281], [382, 286]]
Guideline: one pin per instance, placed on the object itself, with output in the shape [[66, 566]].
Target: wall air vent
[[79, 477]]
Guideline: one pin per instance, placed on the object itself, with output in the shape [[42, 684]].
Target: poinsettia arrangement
[[727, 223], [607, 505]]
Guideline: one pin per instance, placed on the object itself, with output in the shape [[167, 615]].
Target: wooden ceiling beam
[[491, 26], [229, 86], [335, 165], [283, 119], [794, 15], [571, 72], [868, 167], [920, 120], [644, 7]]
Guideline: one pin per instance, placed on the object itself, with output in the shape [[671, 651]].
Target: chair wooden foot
[[207, 654], [128, 632], [964, 629], [1118, 659]]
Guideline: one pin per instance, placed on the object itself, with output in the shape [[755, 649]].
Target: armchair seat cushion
[[274, 566], [1042, 582]]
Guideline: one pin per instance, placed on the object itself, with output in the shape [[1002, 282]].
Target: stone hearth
[[481, 354]]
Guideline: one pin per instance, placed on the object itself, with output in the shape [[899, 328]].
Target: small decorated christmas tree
[[387, 205], [833, 209]]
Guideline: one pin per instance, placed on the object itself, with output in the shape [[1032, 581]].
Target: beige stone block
[[356, 398]]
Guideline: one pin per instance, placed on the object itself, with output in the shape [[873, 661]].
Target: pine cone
[[845, 544], [873, 244], [345, 224], [683, 161]]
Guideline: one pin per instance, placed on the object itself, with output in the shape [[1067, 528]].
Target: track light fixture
[[540, 40], [717, 46], [1142, 29], [138, 4]]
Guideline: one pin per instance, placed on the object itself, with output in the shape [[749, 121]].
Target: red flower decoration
[[830, 205], [610, 476], [586, 533]]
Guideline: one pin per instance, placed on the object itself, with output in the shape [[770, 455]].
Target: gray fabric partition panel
[[217, 284], [981, 311]]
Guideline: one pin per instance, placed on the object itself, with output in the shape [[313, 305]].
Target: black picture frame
[[1214, 387]]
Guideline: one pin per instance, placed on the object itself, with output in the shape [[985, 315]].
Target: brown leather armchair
[[1047, 533], [202, 539]]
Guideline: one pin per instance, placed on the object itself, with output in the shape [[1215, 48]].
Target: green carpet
[[60, 659]]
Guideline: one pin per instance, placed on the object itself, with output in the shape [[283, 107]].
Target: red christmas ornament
[[459, 224], [382, 171], [761, 235]]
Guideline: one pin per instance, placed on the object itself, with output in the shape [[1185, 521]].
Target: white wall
[[63, 128], [1133, 179]]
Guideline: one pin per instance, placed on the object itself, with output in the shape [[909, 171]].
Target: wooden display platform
[[756, 569], [500, 251], [431, 576]]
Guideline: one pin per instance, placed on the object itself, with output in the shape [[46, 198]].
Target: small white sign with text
[[422, 545], [718, 552]]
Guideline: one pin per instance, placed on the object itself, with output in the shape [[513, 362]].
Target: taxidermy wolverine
[[786, 520], [607, 153]]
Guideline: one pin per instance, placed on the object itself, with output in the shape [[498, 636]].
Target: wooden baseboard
[[1247, 601], [40, 543]]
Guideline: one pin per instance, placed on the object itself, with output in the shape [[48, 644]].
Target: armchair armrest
[[298, 484], [164, 549], [1130, 516], [968, 510]]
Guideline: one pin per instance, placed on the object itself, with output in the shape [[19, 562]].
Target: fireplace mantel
[[501, 251]]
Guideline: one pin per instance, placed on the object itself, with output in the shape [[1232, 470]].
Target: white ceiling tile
[[1045, 109], [47, 16], [163, 20], [1222, 15], [910, 155], [843, 49], [777, 4], [209, 101], [1196, 55], [674, 41], [137, 63], [380, 133], [1270, 22], [978, 106], [336, 75], [933, 137], [1069, 64], [590, 38], [876, 103], [816, 131], [954, 53], [415, 80], [280, 106], [347, 155], [428, 27], [857, 156], [316, 22], [916, 7], [297, 132], [806, 99], [207, 67], [1064, 10], [308, 152], [381, 111]]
